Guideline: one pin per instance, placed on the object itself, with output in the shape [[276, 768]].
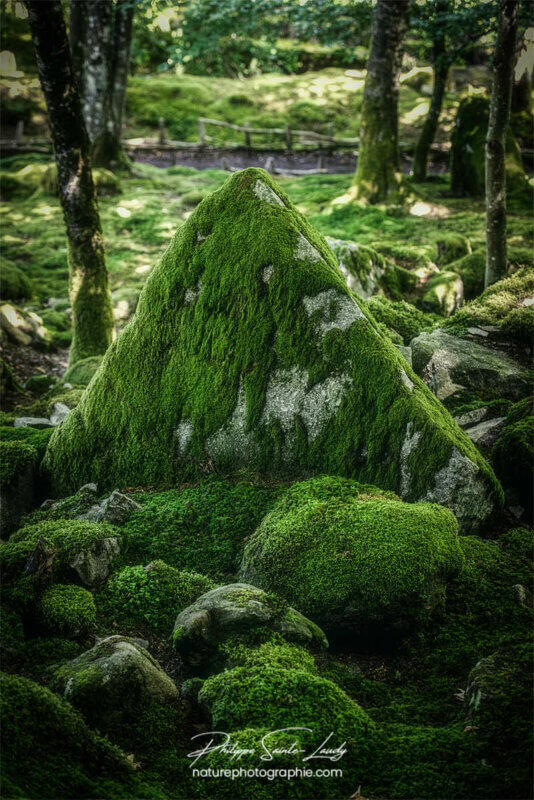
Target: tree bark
[[430, 125], [377, 174], [501, 93], [88, 278], [103, 48], [77, 37]]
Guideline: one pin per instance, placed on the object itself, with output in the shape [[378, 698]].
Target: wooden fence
[[290, 139]]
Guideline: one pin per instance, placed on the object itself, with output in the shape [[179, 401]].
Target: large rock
[[114, 685], [354, 557], [234, 610], [448, 364], [248, 350]]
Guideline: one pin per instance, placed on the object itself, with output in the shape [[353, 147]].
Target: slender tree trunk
[[101, 33], [501, 93], [377, 174], [430, 125], [108, 148], [88, 277]]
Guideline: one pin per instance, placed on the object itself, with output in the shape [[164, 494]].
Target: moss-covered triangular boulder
[[248, 350]]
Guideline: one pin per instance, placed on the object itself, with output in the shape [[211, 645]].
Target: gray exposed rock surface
[[33, 422], [59, 413], [448, 364], [92, 565], [485, 434]]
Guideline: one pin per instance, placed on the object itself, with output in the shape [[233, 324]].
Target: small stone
[[92, 566], [118, 508], [477, 332], [485, 434], [471, 417], [33, 422], [60, 411], [89, 487]]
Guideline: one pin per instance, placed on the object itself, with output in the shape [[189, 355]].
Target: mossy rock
[[305, 383], [444, 293], [277, 699], [36, 438], [75, 543], [14, 284], [450, 247], [105, 181], [513, 458], [122, 691], [358, 558], [151, 596], [471, 269], [367, 272], [82, 371], [238, 610], [497, 303], [67, 610], [467, 158], [48, 750]]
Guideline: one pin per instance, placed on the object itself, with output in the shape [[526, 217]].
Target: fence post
[[289, 141], [247, 135], [19, 131], [331, 145], [201, 132], [161, 129]]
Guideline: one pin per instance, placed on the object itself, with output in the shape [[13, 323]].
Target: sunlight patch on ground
[[417, 113], [429, 210]]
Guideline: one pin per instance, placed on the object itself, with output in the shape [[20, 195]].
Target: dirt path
[[336, 163]]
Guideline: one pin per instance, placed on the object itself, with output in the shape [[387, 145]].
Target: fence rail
[[290, 139]]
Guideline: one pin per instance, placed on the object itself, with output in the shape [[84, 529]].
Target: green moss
[[39, 384], [444, 293], [14, 283], [11, 628], [363, 558], [519, 325], [15, 458], [67, 610], [513, 458], [404, 318], [368, 272], [48, 751], [495, 303], [236, 339], [278, 698], [151, 596], [451, 247], [82, 372], [106, 182], [37, 439], [275, 653], [471, 269], [67, 536], [201, 528]]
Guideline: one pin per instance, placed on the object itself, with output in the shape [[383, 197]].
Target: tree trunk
[[103, 45], [430, 125], [77, 37], [88, 278], [377, 174], [501, 92]]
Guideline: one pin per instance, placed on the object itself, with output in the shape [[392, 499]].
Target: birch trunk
[[88, 277]]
